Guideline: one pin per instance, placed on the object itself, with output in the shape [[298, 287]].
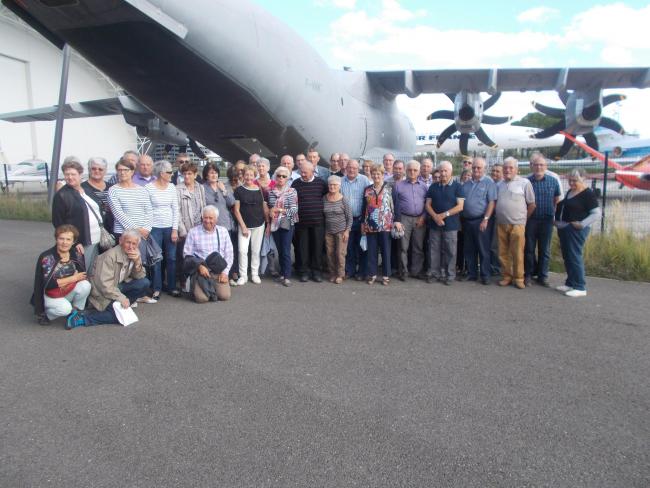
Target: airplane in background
[[269, 91], [636, 175]]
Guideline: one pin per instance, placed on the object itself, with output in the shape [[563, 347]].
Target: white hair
[[161, 167], [131, 233], [210, 208], [334, 179], [447, 164], [510, 161], [97, 161], [413, 164]]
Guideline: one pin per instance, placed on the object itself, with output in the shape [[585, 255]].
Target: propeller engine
[[580, 117], [468, 116]]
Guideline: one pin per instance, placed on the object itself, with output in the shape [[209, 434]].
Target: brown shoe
[[505, 283]]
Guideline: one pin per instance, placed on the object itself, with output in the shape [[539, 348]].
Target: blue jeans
[[282, 238], [572, 242], [356, 259], [476, 247], [131, 290], [163, 237], [538, 235], [377, 241]]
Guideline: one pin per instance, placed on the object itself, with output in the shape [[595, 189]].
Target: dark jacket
[[107, 215], [50, 259], [69, 207]]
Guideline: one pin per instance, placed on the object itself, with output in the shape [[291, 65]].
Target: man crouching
[[207, 258]]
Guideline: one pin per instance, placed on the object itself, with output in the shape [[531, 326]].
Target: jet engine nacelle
[[584, 110], [162, 132], [468, 111]]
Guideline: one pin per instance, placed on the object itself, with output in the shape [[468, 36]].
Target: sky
[[421, 34]]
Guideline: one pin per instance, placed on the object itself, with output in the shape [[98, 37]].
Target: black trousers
[[310, 239]]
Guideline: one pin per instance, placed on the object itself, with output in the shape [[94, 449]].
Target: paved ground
[[410, 385]]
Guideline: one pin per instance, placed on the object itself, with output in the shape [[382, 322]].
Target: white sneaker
[[146, 300], [232, 282], [563, 288], [576, 293], [134, 305], [241, 281], [256, 279]]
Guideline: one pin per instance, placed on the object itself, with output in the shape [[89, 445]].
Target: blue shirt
[[409, 198], [478, 194], [443, 198], [545, 190], [353, 191]]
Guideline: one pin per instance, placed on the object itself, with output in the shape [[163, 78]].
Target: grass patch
[[19, 207]]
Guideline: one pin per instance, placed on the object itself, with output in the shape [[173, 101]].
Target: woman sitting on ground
[[60, 284], [283, 209], [573, 217], [338, 222]]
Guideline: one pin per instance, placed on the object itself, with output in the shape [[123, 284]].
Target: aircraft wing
[[92, 108], [416, 82]]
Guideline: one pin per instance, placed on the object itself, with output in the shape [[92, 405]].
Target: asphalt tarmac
[[319, 385]]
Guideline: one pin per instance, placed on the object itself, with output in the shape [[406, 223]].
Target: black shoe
[[317, 278], [175, 293], [485, 281], [471, 278], [401, 276], [431, 279], [359, 278], [527, 281], [304, 278], [544, 283], [447, 282]]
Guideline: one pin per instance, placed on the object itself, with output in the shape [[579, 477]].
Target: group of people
[[423, 222]]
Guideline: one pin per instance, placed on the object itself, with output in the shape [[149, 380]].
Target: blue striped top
[[131, 208]]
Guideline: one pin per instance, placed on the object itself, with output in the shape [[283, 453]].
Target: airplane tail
[[591, 151]]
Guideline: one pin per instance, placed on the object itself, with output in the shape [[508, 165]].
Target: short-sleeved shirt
[[576, 208], [478, 194], [546, 190], [513, 198], [444, 198], [251, 205]]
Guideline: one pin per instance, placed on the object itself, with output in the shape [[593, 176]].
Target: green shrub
[[19, 207]]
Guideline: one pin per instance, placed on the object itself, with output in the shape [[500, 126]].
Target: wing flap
[[77, 110]]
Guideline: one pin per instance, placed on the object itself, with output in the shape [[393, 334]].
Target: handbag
[[152, 252], [106, 239]]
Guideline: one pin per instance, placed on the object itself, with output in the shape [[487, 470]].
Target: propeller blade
[[441, 114], [451, 96], [613, 99], [444, 135], [558, 113], [491, 101], [611, 124], [464, 139], [564, 96], [566, 147], [491, 119], [550, 131], [196, 149], [483, 137], [591, 140]]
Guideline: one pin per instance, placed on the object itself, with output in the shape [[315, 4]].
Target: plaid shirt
[[545, 190], [201, 243]]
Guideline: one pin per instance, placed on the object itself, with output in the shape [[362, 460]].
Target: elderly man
[[444, 203], [515, 204], [399, 171], [300, 160], [177, 176], [335, 165], [208, 256], [144, 171], [480, 198], [319, 171], [118, 276], [310, 229], [496, 172], [426, 169], [410, 194], [352, 188], [253, 158], [539, 227], [287, 162], [389, 160], [496, 175], [344, 160]]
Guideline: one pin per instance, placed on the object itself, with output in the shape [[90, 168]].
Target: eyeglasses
[[97, 169], [169, 172], [123, 170], [183, 161], [281, 176]]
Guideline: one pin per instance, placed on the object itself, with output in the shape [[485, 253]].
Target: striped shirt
[[310, 201], [545, 190], [131, 208], [165, 206], [201, 243], [353, 191], [338, 215]]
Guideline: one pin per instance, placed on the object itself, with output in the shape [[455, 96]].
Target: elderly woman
[[573, 217], [97, 189], [72, 205], [191, 201], [367, 167], [251, 213], [338, 222], [378, 210], [60, 285], [263, 179], [283, 209], [164, 230]]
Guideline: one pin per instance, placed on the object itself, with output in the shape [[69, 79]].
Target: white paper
[[126, 316]]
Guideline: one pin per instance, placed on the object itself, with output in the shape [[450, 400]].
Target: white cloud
[[537, 15]]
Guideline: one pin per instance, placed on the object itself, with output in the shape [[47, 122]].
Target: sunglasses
[[169, 172], [281, 176], [183, 160]]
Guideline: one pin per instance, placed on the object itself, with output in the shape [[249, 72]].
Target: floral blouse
[[378, 209]]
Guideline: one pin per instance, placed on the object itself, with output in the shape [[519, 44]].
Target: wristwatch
[[447, 214], [486, 218]]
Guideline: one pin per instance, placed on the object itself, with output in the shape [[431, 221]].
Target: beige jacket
[[106, 277]]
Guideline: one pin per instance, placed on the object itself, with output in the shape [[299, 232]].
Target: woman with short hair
[[251, 212], [283, 209], [97, 188], [60, 284], [573, 218], [164, 230], [72, 205], [338, 223], [263, 180], [191, 201]]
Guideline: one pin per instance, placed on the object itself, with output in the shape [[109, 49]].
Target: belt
[[473, 218], [415, 216]]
